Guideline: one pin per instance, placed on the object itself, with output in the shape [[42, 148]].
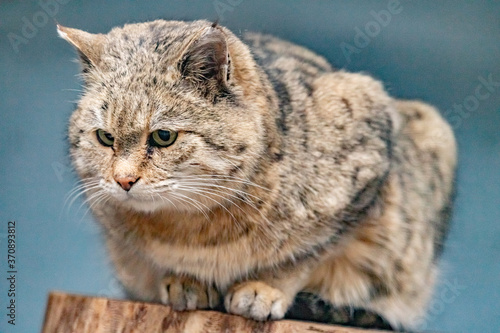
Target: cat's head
[[172, 114]]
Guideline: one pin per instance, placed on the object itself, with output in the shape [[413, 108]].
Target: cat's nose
[[126, 182]]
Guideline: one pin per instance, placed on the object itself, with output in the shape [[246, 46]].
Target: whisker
[[213, 191], [206, 183], [90, 198], [79, 187], [239, 198], [224, 187], [233, 203], [174, 203], [195, 189], [163, 199], [218, 203], [79, 192], [154, 195], [193, 202], [231, 162], [225, 178], [236, 221], [77, 90], [96, 200]]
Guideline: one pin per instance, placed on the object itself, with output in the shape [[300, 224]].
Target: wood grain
[[80, 314]]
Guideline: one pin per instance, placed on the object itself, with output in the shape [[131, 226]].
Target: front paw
[[184, 293], [256, 300]]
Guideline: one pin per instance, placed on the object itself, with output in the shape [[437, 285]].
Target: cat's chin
[[145, 206], [142, 204]]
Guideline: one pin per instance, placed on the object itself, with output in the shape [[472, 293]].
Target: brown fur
[[286, 175]]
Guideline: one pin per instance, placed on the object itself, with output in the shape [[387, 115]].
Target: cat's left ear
[[207, 62], [89, 46]]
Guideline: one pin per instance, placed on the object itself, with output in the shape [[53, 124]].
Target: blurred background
[[444, 52]]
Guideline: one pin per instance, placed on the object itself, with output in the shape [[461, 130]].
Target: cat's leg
[[311, 307], [269, 296], [387, 267], [145, 281], [138, 275], [257, 300], [185, 293]]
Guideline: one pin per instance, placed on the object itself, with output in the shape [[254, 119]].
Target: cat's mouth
[[198, 195]]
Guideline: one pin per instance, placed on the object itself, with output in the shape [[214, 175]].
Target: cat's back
[[426, 157], [285, 62]]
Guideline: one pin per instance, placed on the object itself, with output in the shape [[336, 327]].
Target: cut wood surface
[[67, 313]]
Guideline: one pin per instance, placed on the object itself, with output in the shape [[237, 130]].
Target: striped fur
[[286, 175]]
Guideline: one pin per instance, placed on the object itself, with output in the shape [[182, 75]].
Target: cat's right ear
[[89, 46]]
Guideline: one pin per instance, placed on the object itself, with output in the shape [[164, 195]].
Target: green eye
[[162, 138], [104, 138]]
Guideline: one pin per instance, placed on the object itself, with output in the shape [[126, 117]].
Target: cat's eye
[[105, 138], [162, 138]]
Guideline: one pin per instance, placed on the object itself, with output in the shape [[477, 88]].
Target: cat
[[238, 173]]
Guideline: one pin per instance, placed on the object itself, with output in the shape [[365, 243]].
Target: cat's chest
[[220, 264], [218, 252]]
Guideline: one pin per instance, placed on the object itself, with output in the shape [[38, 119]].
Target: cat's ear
[[206, 63], [89, 46]]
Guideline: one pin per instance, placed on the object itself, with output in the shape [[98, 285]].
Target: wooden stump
[[79, 314]]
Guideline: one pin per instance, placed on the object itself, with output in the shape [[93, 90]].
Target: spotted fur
[[287, 176]]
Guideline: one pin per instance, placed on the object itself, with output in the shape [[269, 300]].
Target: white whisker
[[225, 178], [218, 203], [211, 191], [193, 202], [78, 188], [80, 193], [163, 199], [224, 187], [90, 198], [96, 200], [231, 162], [83, 186]]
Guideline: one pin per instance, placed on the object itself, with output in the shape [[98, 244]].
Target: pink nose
[[126, 182]]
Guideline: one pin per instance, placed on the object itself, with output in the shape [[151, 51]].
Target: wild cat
[[242, 171]]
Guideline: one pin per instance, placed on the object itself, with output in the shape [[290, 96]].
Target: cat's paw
[[256, 300], [184, 293]]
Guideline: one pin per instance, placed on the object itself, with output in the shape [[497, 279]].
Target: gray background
[[432, 50]]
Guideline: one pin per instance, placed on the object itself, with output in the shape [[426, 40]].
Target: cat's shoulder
[[274, 52]]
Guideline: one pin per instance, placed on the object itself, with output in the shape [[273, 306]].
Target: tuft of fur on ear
[[207, 63], [89, 46]]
